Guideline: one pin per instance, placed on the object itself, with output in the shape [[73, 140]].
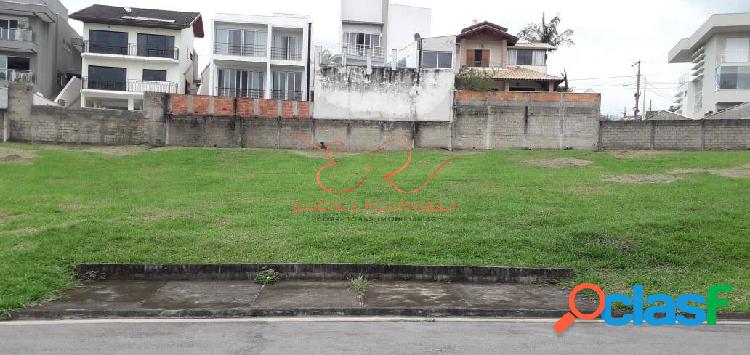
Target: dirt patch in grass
[[559, 163], [643, 179], [16, 156], [640, 154], [738, 172]]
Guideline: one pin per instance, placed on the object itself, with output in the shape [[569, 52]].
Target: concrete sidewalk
[[211, 299]]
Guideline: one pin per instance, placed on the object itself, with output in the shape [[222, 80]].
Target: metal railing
[[25, 76], [360, 50], [234, 92], [130, 85], [286, 95], [133, 50], [281, 53], [16, 34], [735, 56], [245, 50]]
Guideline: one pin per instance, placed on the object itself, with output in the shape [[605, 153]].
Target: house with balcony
[[128, 51], [372, 31], [517, 66], [257, 56], [37, 45], [718, 55]]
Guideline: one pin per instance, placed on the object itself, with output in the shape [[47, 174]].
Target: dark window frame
[[152, 73]]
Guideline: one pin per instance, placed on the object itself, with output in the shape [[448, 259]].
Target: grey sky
[[610, 35]]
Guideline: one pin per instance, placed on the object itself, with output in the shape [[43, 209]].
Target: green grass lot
[[63, 206]]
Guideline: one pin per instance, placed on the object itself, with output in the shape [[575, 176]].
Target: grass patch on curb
[[66, 207]]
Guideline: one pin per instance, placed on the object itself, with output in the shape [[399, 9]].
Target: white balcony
[[363, 51]]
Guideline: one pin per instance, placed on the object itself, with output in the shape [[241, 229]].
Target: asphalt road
[[392, 336]]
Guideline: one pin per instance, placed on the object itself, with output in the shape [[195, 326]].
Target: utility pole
[[645, 112], [636, 109]]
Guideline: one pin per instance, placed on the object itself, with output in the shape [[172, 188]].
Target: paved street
[[284, 336]]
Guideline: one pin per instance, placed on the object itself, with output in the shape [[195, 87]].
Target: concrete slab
[[513, 296], [105, 295], [212, 299], [203, 294], [388, 294], [307, 294]]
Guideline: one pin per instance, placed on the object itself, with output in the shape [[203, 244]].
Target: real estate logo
[[335, 147], [662, 311]]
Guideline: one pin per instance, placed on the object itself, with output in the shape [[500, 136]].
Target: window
[[154, 75], [527, 57], [156, 46], [478, 54], [286, 47], [437, 60], [524, 57], [733, 77], [108, 42], [287, 85], [361, 44], [240, 83], [737, 50], [249, 43], [8, 29], [106, 78]]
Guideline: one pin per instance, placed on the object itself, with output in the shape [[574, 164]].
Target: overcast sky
[[609, 35]]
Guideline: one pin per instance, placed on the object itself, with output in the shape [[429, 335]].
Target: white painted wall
[[349, 93], [404, 22], [362, 11]]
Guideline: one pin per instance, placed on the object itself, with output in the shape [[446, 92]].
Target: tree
[[547, 32], [326, 57]]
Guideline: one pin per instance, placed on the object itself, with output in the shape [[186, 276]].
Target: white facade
[[719, 52], [143, 68], [259, 57], [437, 53], [375, 28]]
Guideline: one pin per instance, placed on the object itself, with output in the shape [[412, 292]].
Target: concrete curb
[[184, 272], [305, 312], [207, 313]]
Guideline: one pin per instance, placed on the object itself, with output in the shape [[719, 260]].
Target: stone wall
[[709, 134], [494, 120]]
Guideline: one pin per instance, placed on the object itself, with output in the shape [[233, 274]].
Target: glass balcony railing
[[25, 76], [16, 34], [130, 85], [133, 50], [359, 50], [243, 93], [244, 50], [287, 95], [280, 53]]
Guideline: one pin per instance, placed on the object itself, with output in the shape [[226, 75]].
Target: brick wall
[[713, 134], [191, 105]]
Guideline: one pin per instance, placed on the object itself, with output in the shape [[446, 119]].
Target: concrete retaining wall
[[713, 134], [539, 120]]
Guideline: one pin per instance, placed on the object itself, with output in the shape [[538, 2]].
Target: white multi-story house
[[259, 57], [375, 28], [719, 52], [128, 51]]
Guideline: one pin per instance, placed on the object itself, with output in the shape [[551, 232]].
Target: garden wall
[[709, 134]]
